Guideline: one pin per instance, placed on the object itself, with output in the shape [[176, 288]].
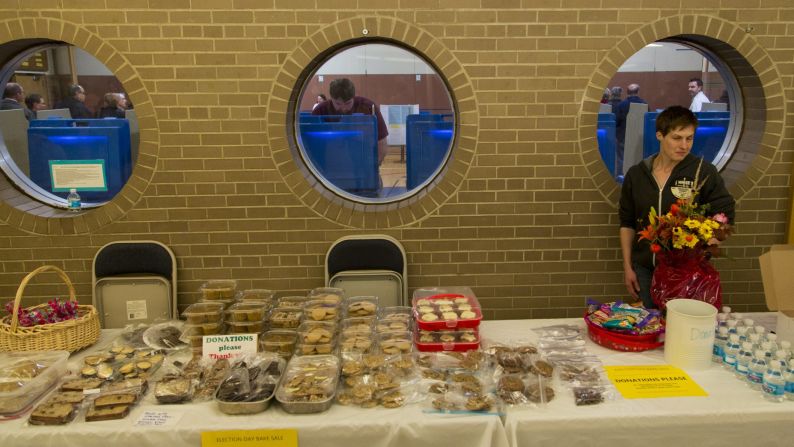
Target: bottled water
[[738, 317], [73, 200], [742, 331], [755, 340], [767, 348], [782, 358], [748, 322], [726, 310], [743, 359], [774, 385], [785, 345], [789, 376], [760, 330], [755, 376], [731, 324], [718, 353], [731, 351], [721, 320], [772, 340]]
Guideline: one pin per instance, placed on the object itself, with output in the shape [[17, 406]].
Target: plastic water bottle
[[789, 376], [739, 317], [760, 330], [774, 385], [721, 320], [743, 361], [718, 352], [73, 200], [772, 340], [768, 353], [755, 376], [748, 322], [731, 324], [755, 340], [782, 358], [726, 310], [731, 351], [742, 331], [785, 345]]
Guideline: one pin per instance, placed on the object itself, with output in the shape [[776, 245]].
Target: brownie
[[52, 413], [107, 413]]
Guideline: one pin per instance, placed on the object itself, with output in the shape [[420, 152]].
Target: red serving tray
[[622, 342]]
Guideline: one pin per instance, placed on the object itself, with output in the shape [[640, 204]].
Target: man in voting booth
[[345, 102]]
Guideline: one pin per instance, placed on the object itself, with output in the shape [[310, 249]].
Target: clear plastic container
[[246, 327], [357, 342], [320, 310], [316, 332], [357, 325], [204, 329], [25, 376], [391, 343], [447, 340], [285, 318], [447, 309], [265, 295], [292, 302], [205, 312], [361, 306], [330, 293], [280, 341], [219, 289], [247, 311]]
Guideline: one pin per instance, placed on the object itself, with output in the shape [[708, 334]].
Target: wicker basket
[[70, 335]]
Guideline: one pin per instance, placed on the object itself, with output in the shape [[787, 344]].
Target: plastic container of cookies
[[446, 309], [280, 341], [327, 293], [204, 312], [320, 310], [291, 302], [285, 318], [309, 384], [218, 289], [447, 340], [357, 325], [361, 306], [204, 329], [264, 295], [391, 343], [26, 376], [247, 311], [246, 327]]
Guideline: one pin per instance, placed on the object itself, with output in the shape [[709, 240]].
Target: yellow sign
[[650, 381], [250, 438]]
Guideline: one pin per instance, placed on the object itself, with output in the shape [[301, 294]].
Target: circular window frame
[[760, 128], [309, 190], [293, 112], [20, 210]]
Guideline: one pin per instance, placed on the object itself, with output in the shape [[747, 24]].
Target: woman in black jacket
[[658, 181]]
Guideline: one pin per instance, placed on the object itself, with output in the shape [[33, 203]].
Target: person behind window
[[605, 96], [320, 99], [696, 92], [113, 106], [658, 181], [621, 113], [75, 103], [35, 102], [615, 97], [345, 102], [13, 97]]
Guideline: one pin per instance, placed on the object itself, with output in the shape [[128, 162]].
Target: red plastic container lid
[[449, 311]]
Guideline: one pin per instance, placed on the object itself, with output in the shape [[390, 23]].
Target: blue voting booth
[[607, 142], [68, 140], [427, 141], [709, 136], [343, 148]]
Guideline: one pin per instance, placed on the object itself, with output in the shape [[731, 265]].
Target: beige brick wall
[[525, 214]]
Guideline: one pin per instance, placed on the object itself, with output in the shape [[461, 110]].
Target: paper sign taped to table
[[652, 381], [250, 438], [159, 418], [216, 347]]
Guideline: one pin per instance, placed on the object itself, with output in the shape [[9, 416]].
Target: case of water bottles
[[758, 358]]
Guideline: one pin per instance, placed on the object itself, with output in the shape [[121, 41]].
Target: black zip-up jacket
[[640, 192]]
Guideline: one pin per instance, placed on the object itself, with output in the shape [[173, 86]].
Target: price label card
[[159, 418], [216, 347], [651, 381], [250, 438]]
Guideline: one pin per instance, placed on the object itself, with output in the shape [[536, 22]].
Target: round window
[[374, 123], [662, 74], [65, 123]]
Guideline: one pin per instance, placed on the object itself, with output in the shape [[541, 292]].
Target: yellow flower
[[692, 223]]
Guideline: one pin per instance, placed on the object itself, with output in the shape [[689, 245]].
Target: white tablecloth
[[732, 414], [349, 426]]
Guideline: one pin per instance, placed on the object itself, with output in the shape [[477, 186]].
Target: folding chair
[[134, 282], [369, 265]]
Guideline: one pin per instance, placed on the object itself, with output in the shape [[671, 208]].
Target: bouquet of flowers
[[57, 311], [684, 239]]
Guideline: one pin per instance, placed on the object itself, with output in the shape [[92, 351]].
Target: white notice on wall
[[159, 418], [136, 310], [79, 174]]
